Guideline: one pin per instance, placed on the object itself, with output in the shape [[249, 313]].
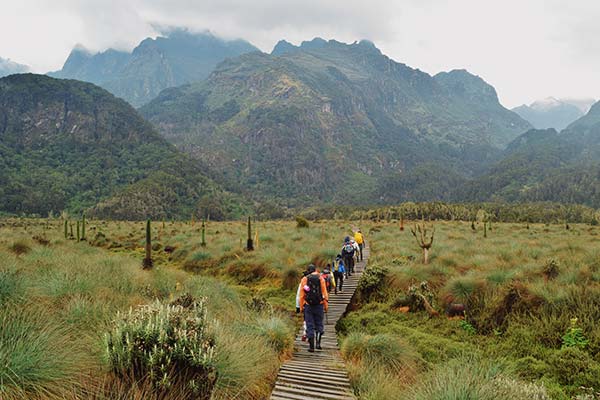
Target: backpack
[[327, 279], [314, 295], [349, 248]]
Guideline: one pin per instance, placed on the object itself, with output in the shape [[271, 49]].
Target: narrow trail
[[322, 374]]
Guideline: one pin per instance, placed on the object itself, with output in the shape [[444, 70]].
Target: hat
[[347, 239], [311, 268]]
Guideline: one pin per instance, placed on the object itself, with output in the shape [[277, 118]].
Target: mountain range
[[138, 76], [323, 122], [330, 122], [546, 165], [554, 113]]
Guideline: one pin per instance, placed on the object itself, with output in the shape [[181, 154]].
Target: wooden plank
[[320, 375]]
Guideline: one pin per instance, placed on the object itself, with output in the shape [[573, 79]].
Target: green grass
[[519, 314], [515, 311]]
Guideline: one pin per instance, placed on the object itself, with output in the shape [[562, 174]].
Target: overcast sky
[[527, 49]]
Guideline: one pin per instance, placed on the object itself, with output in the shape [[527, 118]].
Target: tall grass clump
[[11, 284], [380, 365], [278, 334], [384, 350], [167, 344], [37, 357], [470, 378]]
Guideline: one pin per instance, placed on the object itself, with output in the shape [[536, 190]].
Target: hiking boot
[[319, 336], [311, 344]]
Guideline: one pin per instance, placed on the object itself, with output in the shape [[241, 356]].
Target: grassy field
[[532, 305], [522, 288], [59, 299]]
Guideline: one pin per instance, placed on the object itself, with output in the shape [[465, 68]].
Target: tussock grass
[[37, 357], [472, 378]]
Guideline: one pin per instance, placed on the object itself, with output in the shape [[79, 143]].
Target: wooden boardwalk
[[322, 374]]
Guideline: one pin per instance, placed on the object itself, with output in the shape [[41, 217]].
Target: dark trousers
[[313, 316], [339, 280], [349, 263], [360, 246]]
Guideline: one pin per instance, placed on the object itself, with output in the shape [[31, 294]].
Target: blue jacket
[[341, 267]]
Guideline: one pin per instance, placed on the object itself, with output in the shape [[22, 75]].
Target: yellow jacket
[[358, 237]]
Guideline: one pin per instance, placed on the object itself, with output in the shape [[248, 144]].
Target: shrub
[[371, 281], [575, 367], [574, 336], [530, 367], [301, 222], [169, 344], [551, 269]]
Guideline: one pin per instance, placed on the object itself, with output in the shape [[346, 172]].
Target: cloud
[[526, 49]]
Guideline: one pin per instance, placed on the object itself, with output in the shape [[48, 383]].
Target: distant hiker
[[313, 302], [356, 251], [360, 240], [338, 273], [328, 277], [304, 273], [348, 255]]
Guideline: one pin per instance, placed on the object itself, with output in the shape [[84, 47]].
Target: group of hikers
[[312, 296]]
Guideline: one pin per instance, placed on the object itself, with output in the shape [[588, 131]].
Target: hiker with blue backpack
[[313, 303], [347, 253]]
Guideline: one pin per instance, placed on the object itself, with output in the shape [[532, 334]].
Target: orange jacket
[[323, 291]]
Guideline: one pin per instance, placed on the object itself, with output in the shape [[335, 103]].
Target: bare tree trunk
[[425, 256]]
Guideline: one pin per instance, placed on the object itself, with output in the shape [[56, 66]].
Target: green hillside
[[544, 165], [66, 145], [328, 121]]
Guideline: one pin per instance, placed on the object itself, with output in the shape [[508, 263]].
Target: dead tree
[[423, 239]]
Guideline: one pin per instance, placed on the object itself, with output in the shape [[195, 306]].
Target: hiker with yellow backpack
[[360, 240]]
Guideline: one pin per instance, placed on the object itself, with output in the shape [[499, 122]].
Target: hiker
[[328, 277], [313, 303], [356, 251], [359, 238], [338, 273], [348, 255]]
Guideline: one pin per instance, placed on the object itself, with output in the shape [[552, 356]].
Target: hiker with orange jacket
[[313, 303]]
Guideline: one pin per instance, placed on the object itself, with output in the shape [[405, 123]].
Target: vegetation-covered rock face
[[68, 145], [544, 165], [335, 122], [155, 64]]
